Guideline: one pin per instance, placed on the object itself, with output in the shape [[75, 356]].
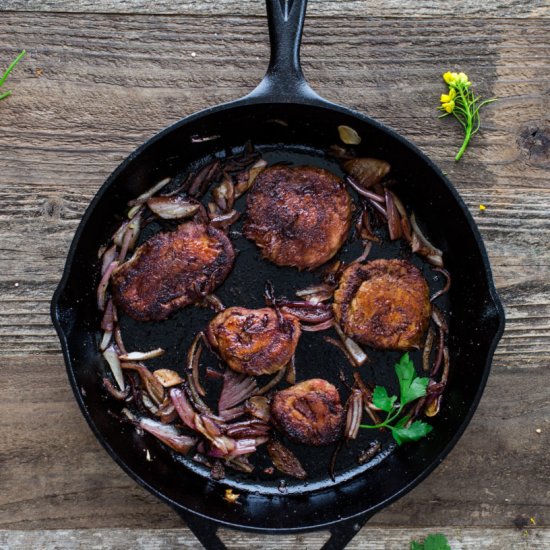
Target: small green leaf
[[417, 430], [410, 386], [436, 542], [382, 400], [431, 542]]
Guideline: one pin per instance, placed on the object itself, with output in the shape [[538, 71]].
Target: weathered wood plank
[[367, 539], [497, 472], [326, 8]]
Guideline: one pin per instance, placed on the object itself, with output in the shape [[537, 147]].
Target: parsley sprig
[[411, 388], [431, 542], [12, 66]]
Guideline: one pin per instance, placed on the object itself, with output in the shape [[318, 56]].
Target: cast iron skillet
[[310, 123]]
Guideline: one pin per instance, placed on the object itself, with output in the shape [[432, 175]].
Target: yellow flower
[[450, 78], [449, 106], [462, 79], [445, 98]]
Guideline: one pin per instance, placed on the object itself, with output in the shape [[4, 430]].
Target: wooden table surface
[[102, 76]]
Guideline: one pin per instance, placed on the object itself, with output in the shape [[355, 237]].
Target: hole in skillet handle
[[206, 531]]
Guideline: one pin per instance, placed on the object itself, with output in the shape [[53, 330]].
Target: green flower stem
[[384, 424], [467, 126], [12, 66]]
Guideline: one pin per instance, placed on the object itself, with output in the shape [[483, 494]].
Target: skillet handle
[[206, 532], [284, 81]]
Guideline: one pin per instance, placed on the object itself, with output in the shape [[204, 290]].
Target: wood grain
[[368, 539], [95, 86], [325, 8]]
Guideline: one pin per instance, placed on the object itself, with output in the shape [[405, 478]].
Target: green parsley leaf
[[382, 400], [431, 542], [417, 430], [410, 386]]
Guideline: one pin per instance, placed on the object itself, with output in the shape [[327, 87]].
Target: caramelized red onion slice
[[422, 246], [248, 429], [307, 312], [365, 192], [366, 251], [240, 463], [141, 355], [103, 284], [367, 398], [183, 407], [285, 460], [118, 340], [439, 319], [427, 350], [105, 340], [354, 414], [272, 383], [108, 320], [221, 221], [150, 382], [110, 355], [233, 413], [365, 230], [213, 302], [447, 286], [224, 194], [172, 208], [355, 351], [394, 221], [316, 294], [318, 327], [114, 392], [205, 176], [109, 256], [149, 193], [193, 361], [168, 434], [236, 389], [291, 370], [258, 406], [368, 454], [168, 378], [367, 172], [254, 171], [130, 236]]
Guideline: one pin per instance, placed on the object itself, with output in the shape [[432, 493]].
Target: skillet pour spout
[[344, 504]]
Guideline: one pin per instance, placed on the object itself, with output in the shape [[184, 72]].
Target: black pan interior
[[298, 134]]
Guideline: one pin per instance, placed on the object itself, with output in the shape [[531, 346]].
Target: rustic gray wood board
[[94, 87]]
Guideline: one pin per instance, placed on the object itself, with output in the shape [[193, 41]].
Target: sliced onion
[[152, 385], [439, 319], [202, 180], [427, 350], [202, 139], [291, 370], [307, 312], [316, 293], [103, 284], [248, 429], [367, 172], [118, 340], [365, 192], [368, 454], [447, 286], [222, 221], [108, 320], [318, 327], [240, 463], [119, 233], [150, 192], [258, 406], [224, 194], [236, 389], [168, 378], [110, 355], [255, 170], [358, 355], [183, 407], [109, 256], [366, 232], [348, 135], [141, 355], [272, 383], [364, 255], [172, 208], [367, 398], [354, 414], [193, 362], [168, 434], [285, 460], [394, 221], [130, 236], [212, 301], [233, 413], [422, 246], [106, 340], [117, 394], [379, 208]]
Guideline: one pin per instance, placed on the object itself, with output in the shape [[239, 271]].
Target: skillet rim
[[317, 102]]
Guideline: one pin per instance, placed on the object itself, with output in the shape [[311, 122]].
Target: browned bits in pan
[[254, 341], [298, 216], [172, 270], [309, 412], [383, 304]]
